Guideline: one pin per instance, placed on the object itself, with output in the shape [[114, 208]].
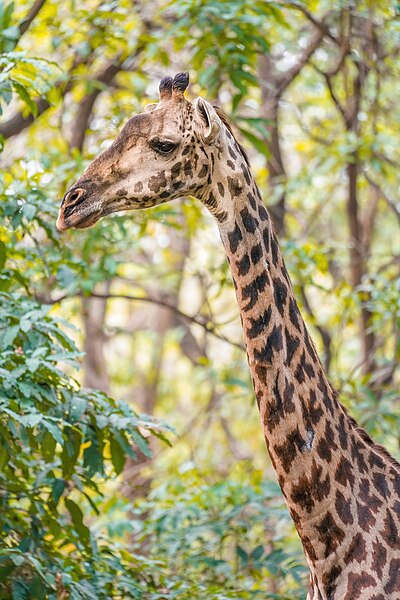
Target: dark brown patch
[[344, 472], [315, 411], [288, 394], [294, 314], [312, 489], [203, 171], [243, 265], [259, 324], [358, 454], [329, 580], [310, 347], [221, 188], [157, 182], [250, 223], [330, 534], [393, 584], [246, 174], [366, 518], [187, 168], [379, 556], [234, 238], [356, 583], [252, 200], [292, 343], [308, 547], [138, 187], [273, 344], [266, 239], [274, 250], [251, 291], [256, 254], [324, 450], [232, 153], [327, 443], [235, 187], [343, 508], [373, 502], [280, 294], [288, 451], [263, 213], [343, 434], [274, 410], [381, 484], [357, 550], [390, 533]]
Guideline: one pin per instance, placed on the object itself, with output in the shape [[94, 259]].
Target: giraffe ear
[[149, 107], [209, 121]]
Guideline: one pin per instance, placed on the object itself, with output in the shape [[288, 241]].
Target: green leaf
[[118, 456], [257, 553], [242, 554], [258, 143], [77, 520], [3, 254], [31, 420], [57, 489], [93, 457], [20, 590], [70, 452]]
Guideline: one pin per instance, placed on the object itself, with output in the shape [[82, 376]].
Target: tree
[[287, 74]]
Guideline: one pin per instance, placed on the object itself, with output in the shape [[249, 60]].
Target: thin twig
[[310, 17], [207, 325], [383, 194]]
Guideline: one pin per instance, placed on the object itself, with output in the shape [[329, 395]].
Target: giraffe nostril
[[73, 196]]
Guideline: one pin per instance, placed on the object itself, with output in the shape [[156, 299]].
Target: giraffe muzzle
[[74, 213]]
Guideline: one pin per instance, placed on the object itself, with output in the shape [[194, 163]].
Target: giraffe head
[[160, 154]]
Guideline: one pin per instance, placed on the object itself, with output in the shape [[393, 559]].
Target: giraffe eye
[[163, 146]]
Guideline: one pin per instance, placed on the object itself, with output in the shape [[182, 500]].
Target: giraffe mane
[[380, 450], [227, 124]]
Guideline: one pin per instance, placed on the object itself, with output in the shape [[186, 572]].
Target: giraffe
[[342, 490]]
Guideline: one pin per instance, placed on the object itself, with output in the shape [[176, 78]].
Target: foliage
[[211, 523], [214, 532], [57, 443]]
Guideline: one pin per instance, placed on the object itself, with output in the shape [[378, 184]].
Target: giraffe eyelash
[[163, 146]]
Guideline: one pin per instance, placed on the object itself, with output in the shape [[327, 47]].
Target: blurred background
[[132, 459]]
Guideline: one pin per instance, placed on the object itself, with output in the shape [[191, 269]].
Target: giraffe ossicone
[[342, 489]]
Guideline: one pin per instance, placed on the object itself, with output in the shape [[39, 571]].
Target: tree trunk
[[94, 362]]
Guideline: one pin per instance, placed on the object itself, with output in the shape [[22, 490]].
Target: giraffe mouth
[[77, 221], [88, 221]]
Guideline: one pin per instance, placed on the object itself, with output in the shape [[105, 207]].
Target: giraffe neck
[[317, 452]]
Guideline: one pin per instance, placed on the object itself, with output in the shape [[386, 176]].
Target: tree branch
[[332, 93], [26, 22], [286, 79], [103, 77], [206, 324], [18, 122]]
